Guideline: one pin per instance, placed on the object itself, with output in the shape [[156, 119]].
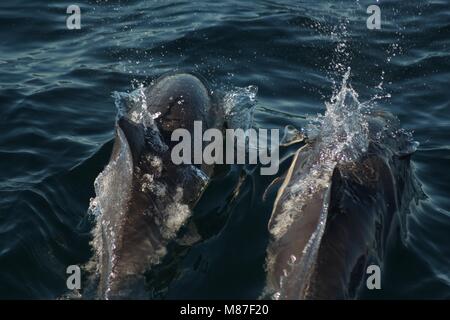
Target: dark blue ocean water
[[57, 116]]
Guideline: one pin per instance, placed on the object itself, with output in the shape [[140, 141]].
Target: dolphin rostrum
[[143, 199]]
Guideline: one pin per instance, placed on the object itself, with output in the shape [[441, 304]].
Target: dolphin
[[142, 198], [331, 219]]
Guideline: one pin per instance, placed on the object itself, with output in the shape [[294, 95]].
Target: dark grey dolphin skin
[[143, 198], [343, 224]]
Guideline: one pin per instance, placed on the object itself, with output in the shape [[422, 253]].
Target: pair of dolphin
[[322, 236]]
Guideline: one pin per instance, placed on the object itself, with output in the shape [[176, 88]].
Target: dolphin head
[[179, 100]]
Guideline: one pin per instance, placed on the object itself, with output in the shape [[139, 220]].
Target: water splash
[[342, 132], [106, 186], [239, 106], [134, 106]]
